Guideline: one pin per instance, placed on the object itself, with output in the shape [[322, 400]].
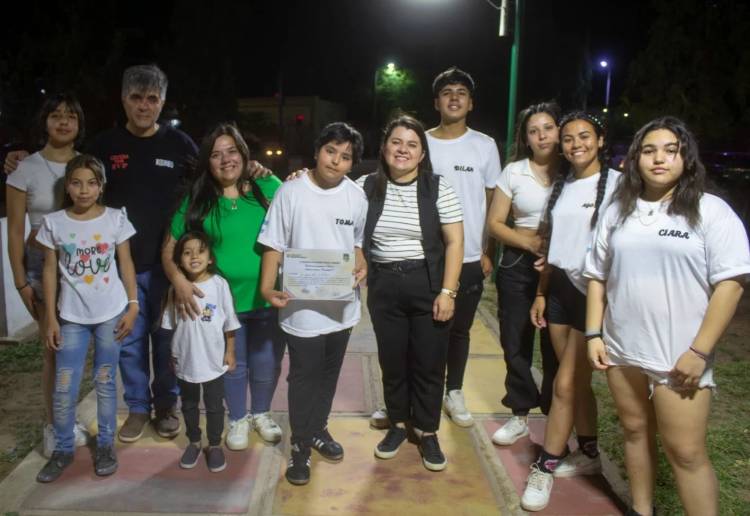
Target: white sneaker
[[511, 431], [454, 406], [81, 435], [538, 488], [266, 427], [578, 463], [49, 442], [379, 420], [237, 435]]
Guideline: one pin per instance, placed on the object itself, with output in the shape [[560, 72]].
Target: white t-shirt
[[660, 274], [398, 233], [305, 216], [90, 288], [470, 163], [527, 195], [571, 224], [198, 345], [43, 182]]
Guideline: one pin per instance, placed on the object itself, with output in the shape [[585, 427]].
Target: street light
[[605, 66], [390, 69]]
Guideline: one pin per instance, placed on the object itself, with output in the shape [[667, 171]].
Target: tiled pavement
[[481, 479]]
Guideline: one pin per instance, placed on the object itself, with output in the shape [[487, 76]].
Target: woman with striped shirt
[[414, 246]]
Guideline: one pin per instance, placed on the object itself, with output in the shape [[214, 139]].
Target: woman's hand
[[443, 307], [486, 264], [297, 174], [534, 245], [537, 312], [541, 264], [53, 339], [598, 354], [230, 361], [12, 159], [276, 298], [257, 171], [127, 321], [688, 370], [27, 296], [184, 300]]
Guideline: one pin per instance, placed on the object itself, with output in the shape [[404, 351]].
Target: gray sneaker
[[215, 459], [190, 456], [167, 423], [132, 429]]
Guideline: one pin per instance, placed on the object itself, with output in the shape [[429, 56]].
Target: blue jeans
[[258, 348], [70, 361], [134, 357]]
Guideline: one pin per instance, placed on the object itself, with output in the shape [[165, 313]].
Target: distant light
[[269, 152], [174, 122], [299, 118], [43, 91], [390, 67], [279, 152], [605, 110], [626, 115], [603, 64]]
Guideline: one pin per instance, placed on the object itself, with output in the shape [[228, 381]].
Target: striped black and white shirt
[[398, 234]]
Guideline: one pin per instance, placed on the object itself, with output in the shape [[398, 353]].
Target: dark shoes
[[215, 459], [298, 469], [105, 461], [190, 456], [327, 446], [432, 457], [54, 467], [388, 447], [167, 423], [132, 429]]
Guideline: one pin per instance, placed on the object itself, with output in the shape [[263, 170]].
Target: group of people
[[637, 273]]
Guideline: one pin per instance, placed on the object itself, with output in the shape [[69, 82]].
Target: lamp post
[[605, 66], [390, 68]]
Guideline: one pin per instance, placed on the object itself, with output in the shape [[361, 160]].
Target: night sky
[[331, 48]]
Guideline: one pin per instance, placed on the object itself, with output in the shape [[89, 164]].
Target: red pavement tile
[[584, 495], [149, 479], [350, 392]]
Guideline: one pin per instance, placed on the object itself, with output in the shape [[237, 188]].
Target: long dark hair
[[50, 104], [424, 169], [545, 228], [520, 148], [205, 191], [690, 186]]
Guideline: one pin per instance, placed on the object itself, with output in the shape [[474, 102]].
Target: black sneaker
[[215, 459], [327, 446], [105, 461], [432, 457], [633, 512], [388, 447], [298, 470], [190, 456], [54, 467]]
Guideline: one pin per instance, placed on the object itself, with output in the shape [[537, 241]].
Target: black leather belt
[[400, 266]]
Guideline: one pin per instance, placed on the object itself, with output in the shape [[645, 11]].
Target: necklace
[[49, 168], [234, 204], [649, 217]]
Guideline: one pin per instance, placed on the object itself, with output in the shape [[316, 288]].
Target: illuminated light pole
[[605, 66], [390, 69]]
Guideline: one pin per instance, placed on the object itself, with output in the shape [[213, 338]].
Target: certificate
[[317, 274]]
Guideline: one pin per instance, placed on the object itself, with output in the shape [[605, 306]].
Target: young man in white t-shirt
[[322, 210], [470, 161]]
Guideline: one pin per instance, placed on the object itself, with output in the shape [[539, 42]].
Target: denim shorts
[[33, 258]]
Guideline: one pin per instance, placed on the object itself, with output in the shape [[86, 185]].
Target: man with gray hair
[[146, 163]]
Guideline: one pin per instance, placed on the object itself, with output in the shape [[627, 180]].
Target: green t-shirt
[[234, 226]]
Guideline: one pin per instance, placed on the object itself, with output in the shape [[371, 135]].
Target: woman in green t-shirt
[[225, 203]]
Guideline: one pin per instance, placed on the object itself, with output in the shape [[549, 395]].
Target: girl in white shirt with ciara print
[[666, 272]]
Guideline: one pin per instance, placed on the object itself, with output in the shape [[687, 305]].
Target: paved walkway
[[481, 479]]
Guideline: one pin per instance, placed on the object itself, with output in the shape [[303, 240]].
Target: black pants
[[314, 367], [213, 399], [469, 294], [516, 290], [412, 346]]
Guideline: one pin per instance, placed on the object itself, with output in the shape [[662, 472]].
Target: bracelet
[[23, 287], [133, 301], [593, 333], [448, 292], [704, 356], [541, 295], [592, 336]]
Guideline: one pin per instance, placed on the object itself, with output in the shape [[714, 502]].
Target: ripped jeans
[[70, 361]]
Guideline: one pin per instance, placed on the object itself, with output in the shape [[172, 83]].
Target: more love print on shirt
[[87, 261]]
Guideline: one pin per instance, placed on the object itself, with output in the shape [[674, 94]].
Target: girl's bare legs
[[629, 388], [682, 420]]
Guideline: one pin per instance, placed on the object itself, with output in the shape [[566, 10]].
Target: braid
[[545, 228], [601, 187]]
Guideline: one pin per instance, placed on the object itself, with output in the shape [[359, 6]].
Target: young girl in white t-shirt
[[82, 241], [666, 272], [580, 194], [202, 348]]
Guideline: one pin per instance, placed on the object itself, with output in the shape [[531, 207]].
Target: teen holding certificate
[[323, 210]]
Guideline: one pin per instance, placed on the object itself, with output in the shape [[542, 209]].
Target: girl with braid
[[580, 193]]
